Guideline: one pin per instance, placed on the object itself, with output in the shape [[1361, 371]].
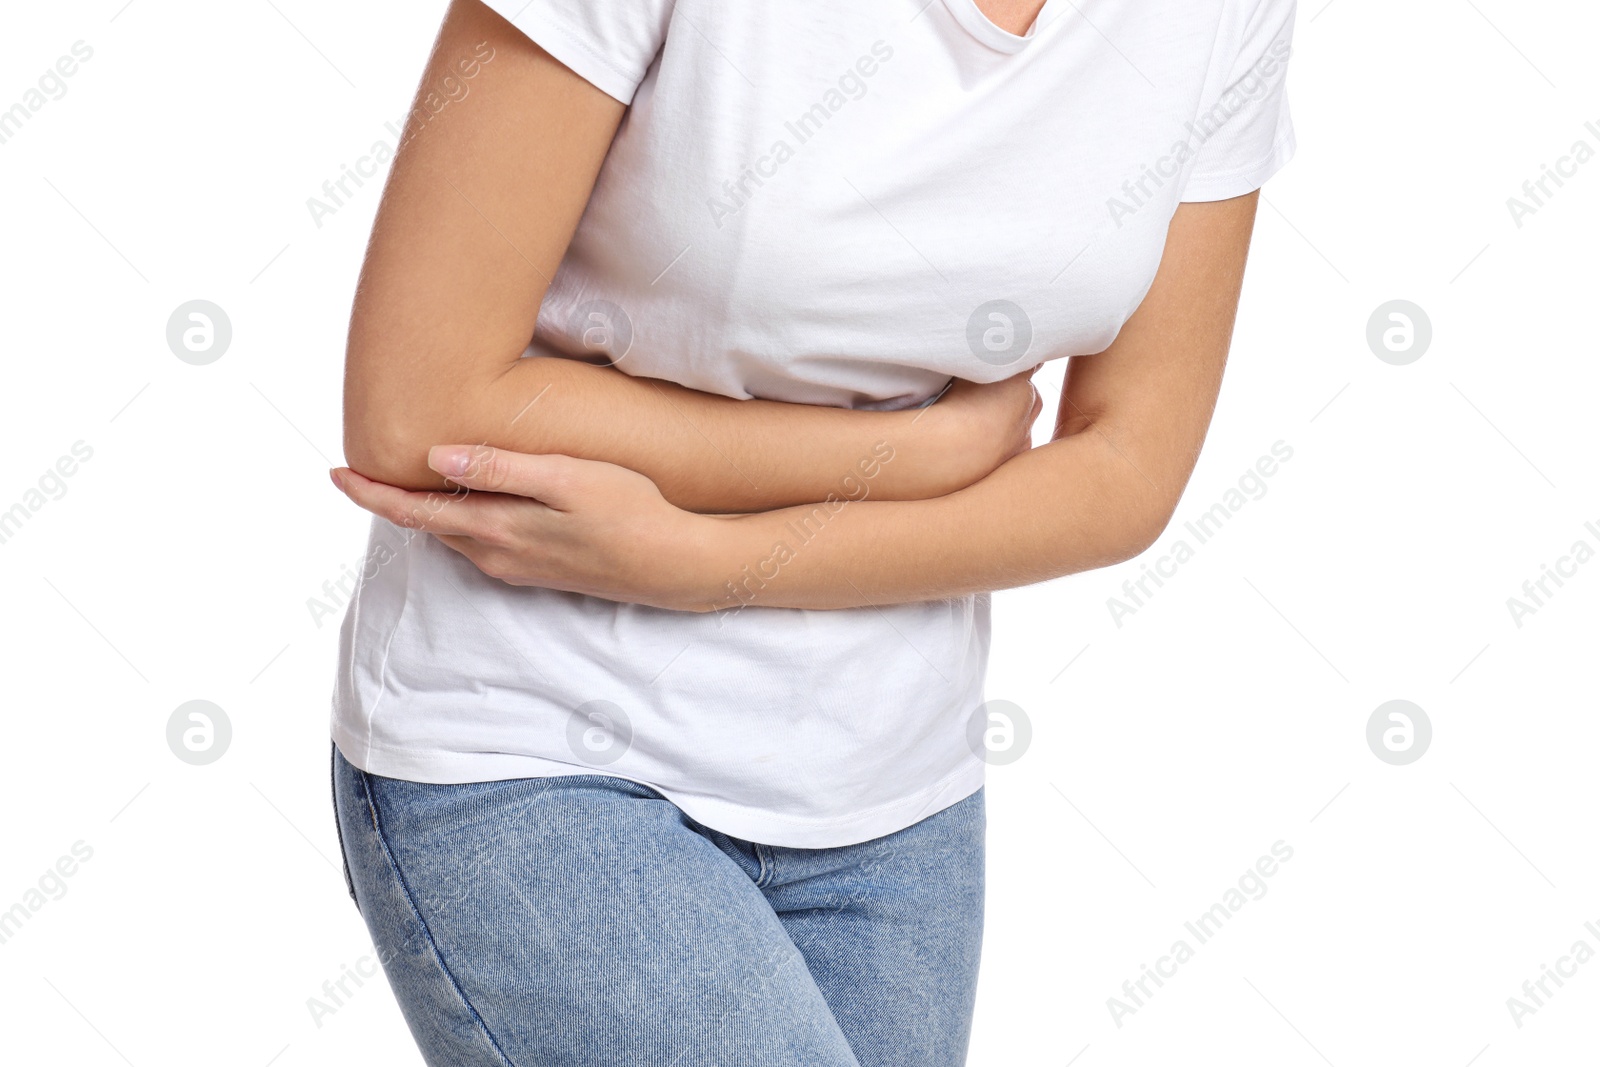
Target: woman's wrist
[[694, 563], [730, 562]]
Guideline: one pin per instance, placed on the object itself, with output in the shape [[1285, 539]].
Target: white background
[[1169, 752]]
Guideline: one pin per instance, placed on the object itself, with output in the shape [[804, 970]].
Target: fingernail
[[333, 476], [449, 460]]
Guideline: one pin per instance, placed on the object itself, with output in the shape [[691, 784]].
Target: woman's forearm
[[1129, 431], [479, 210], [473, 224], [1072, 505], [707, 453]]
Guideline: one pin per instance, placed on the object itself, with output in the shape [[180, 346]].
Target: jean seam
[[438, 954], [338, 824]]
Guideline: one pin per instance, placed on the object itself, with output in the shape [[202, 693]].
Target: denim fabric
[[586, 920]]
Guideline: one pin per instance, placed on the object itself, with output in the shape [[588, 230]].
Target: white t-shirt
[[840, 203]]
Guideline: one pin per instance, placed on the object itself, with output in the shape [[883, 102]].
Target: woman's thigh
[[573, 921], [891, 930]]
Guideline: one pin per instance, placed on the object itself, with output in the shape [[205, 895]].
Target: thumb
[[550, 479]]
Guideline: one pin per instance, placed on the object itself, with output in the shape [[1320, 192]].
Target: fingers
[[433, 512], [486, 558], [547, 478]]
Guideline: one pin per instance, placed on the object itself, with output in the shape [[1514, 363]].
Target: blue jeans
[[586, 920]]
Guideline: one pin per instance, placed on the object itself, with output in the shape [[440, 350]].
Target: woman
[[665, 744]]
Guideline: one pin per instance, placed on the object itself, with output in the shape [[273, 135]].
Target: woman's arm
[[1130, 428], [1131, 423], [479, 209]]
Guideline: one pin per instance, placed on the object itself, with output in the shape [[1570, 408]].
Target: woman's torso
[[840, 204]]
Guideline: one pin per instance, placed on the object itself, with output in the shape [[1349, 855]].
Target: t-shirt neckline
[[975, 22]]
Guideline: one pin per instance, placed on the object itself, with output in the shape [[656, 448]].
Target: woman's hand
[[554, 521], [585, 526], [990, 423], [957, 440], [1084, 500]]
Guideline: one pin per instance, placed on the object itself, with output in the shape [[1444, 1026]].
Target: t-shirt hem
[[1244, 180], [571, 49], [737, 820]]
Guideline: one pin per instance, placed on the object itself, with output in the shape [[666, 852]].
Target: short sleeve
[[608, 43], [1244, 131]]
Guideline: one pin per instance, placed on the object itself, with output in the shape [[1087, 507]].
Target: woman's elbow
[[386, 446], [1151, 517]]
